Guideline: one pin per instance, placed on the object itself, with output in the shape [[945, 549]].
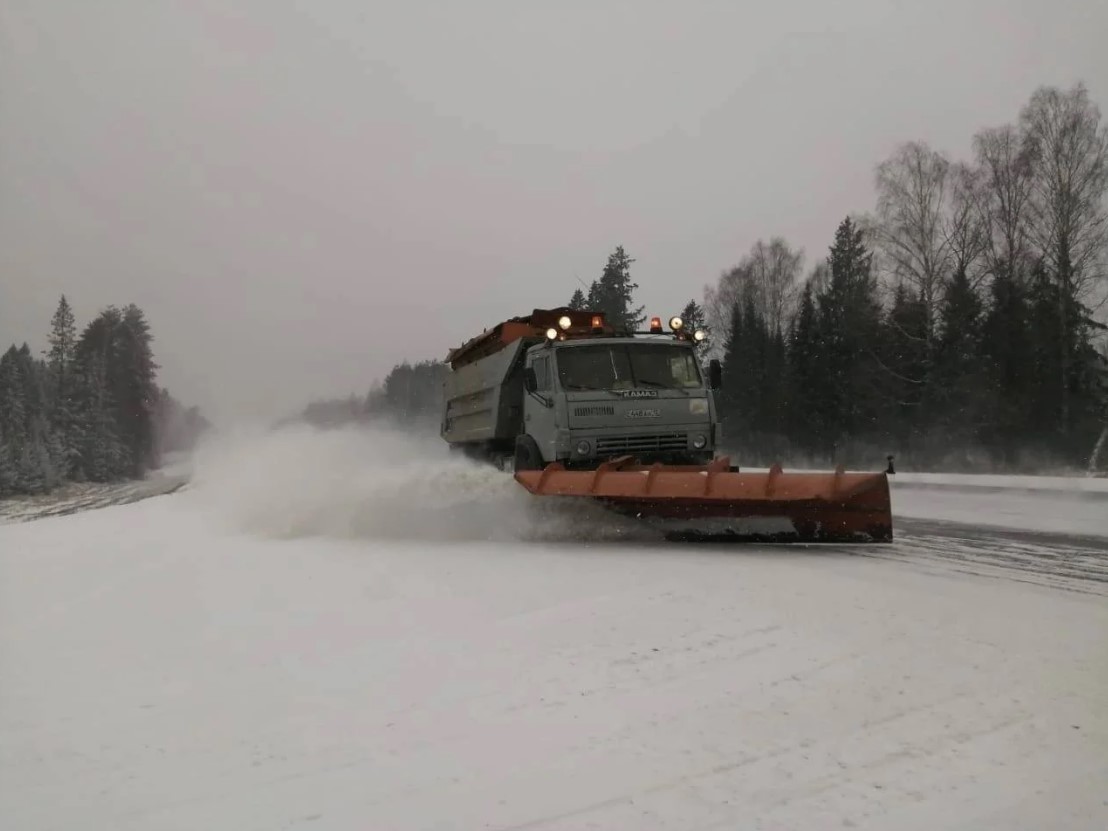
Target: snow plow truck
[[576, 409]]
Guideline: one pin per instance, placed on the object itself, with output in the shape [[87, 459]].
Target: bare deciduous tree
[[1069, 219], [965, 232], [1069, 216], [775, 273], [1005, 174], [912, 227], [769, 274]]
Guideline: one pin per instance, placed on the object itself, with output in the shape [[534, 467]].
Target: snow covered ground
[[337, 631]]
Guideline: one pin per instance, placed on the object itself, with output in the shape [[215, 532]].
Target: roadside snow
[[1069, 484], [286, 644], [1076, 510]]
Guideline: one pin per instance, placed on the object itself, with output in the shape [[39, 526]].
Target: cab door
[[539, 412]]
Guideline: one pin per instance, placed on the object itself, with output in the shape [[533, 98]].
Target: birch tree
[[912, 226], [1069, 220], [1005, 177]]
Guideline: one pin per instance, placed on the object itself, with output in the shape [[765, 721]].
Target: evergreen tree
[[134, 388], [805, 381], [848, 325], [104, 453], [578, 302], [692, 316], [1008, 352], [613, 293], [13, 422], [23, 420], [734, 371], [959, 376], [61, 359], [904, 347]]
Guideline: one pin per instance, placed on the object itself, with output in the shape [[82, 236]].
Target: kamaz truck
[[564, 386], [575, 408]]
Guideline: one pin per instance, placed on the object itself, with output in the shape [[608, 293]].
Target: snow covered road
[[316, 650]]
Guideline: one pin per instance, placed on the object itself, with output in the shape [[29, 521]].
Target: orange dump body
[[718, 501]]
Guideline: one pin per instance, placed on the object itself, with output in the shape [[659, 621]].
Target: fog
[[300, 195]]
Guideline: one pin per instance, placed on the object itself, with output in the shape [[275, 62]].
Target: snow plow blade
[[719, 502]]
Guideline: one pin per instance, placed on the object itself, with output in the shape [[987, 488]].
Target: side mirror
[[530, 382], [715, 374]]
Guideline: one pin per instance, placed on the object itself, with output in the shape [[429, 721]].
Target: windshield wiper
[[650, 382]]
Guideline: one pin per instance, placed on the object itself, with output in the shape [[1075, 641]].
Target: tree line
[[958, 324], [955, 324], [89, 409]]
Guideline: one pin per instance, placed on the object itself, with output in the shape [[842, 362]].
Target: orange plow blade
[[717, 501]]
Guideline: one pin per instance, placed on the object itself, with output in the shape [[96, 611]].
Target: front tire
[[527, 455]]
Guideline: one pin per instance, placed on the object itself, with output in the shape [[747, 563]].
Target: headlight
[[700, 441], [583, 448], [698, 406]]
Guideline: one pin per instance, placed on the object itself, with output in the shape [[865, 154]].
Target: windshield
[[628, 366]]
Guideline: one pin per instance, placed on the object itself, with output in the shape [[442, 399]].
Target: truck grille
[[600, 410], [641, 444]]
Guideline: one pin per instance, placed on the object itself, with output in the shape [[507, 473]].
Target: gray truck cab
[[594, 399]]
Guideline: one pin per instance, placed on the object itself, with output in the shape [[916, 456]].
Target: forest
[[958, 324], [89, 409]]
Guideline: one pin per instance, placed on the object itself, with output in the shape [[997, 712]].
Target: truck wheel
[[528, 456]]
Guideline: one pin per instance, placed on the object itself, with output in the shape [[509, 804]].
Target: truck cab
[[588, 400]]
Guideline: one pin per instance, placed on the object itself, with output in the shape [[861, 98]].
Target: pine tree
[[1008, 352], [848, 326], [13, 423], [61, 359], [959, 376], [805, 382], [104, 455], [7, 467], [904, 346], [613, 293], [135, 388], [734, 368], [23, 418], [578, 302], [692, 317]]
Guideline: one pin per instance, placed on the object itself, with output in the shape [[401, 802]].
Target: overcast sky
[[300, 194]]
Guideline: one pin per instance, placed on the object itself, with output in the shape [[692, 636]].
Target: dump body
[[483, 400]]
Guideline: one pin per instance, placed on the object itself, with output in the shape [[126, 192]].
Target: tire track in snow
[[1068, 562]]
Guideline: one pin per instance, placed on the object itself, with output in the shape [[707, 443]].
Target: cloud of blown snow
[[376, 484]]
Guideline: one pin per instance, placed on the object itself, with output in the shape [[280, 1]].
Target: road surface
[[296, 645]]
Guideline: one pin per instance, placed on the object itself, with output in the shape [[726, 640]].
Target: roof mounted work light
[[675, 323], [565, 322]]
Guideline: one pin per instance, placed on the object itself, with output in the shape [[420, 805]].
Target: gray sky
[[300, 194]]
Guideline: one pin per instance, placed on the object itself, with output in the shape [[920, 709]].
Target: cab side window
[[542, 373]]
